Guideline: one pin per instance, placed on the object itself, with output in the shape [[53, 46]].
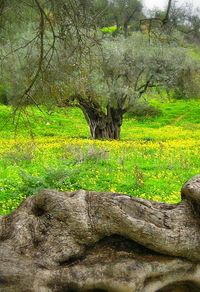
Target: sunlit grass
[[153, 159]]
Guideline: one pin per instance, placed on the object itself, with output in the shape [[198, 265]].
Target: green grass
[[153, 159]]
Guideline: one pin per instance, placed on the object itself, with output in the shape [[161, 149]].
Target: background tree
[[183, 19], [117, 74], [125, 14]]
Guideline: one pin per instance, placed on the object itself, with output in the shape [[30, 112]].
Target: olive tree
[[59, 54], [118, 73], [30, 33], [122, 13]]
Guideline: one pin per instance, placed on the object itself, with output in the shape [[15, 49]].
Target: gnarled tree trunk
[[105, 128], [88, 241], [102, 125]]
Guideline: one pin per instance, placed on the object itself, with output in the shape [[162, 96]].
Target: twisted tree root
[[88, 241]]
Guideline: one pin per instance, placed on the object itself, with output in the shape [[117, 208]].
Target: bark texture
[[88, 241], [103, 125]]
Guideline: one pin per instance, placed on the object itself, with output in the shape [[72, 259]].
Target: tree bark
[[107, 126], [88, 241], [102, 125], [126, 29], [103, 129]]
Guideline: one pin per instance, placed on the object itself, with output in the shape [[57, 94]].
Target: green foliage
[[143, 109], [109, 29], [188, 83], [50, 178], [20, 154], [10, 204], [4, 95], [121, 14], [123, 70]]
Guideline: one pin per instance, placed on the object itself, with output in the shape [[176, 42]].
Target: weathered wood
[[88, 241]]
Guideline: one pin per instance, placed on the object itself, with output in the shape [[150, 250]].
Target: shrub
[[188, 84], [52, 178], [109, 29], [143, 109], [90, 153], [4, 95], [20, 154]]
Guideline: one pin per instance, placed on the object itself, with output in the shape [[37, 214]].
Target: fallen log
[[89, 241]]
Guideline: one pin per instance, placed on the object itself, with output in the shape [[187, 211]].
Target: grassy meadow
[[155, 156]]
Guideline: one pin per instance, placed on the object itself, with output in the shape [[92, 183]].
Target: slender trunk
[[126, 29], [117, 23], [117, 26]]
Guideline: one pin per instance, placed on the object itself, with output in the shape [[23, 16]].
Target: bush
[[109, 30], [143, 109], [4, 95], [91, 153], [188, 84], [20, 154], [54, 178]]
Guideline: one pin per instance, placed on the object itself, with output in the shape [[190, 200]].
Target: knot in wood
[[191, 191]]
